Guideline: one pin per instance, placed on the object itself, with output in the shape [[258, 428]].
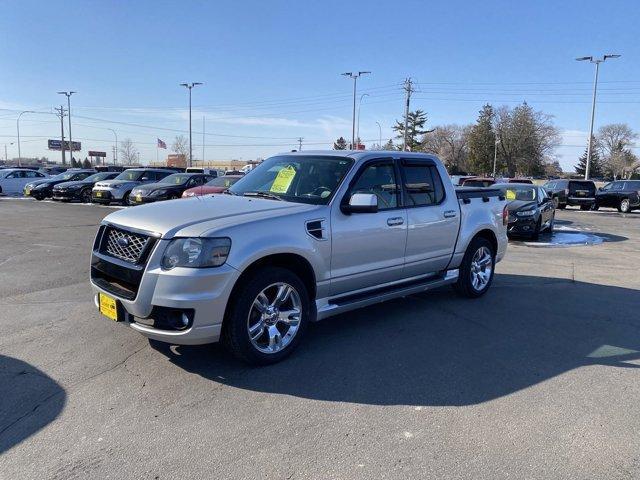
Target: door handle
[[393, 221], [449, 213]]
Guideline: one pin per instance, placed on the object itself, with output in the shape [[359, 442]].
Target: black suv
[[621, 194], [580, 193]]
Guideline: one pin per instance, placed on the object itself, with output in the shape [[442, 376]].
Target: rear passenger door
[[433, 219]]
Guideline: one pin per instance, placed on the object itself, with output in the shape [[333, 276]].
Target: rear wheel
[[477, 269], [585, 207], [85, 196], [625, 206], [268, 316]]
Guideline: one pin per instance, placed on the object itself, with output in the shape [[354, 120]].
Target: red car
[[217, 185]]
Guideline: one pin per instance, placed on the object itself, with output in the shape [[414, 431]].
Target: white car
[[13, 180]]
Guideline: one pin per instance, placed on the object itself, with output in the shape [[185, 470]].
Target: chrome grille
[[127, 246]]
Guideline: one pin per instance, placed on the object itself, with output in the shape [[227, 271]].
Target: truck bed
[[467, 193]]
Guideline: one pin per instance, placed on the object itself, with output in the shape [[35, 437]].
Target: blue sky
[[271, 70]]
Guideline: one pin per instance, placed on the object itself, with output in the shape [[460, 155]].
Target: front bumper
[[66, 195], [522, 225], [139, 199], [203, 292], [103, 196]]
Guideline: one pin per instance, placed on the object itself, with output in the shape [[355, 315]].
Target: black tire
[[126, 200], [38, 197], [585, 207], [536, 233], [562, 206], [625, 206], [235, 332], [464, 285], [595, 207], [85, 196]]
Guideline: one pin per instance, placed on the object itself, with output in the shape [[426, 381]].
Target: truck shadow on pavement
[[29, 400], [436, 349]]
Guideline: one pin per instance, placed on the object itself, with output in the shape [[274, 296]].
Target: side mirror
[[599, 189], [361, 203]]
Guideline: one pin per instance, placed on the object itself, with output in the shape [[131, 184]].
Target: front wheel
[[85, 196], [268, 316], [477, 269], [625, 206]]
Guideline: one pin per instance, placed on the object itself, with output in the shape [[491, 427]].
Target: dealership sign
[[93, 153], [57, 145]]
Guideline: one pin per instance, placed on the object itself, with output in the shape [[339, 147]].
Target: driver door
[[368, 248]]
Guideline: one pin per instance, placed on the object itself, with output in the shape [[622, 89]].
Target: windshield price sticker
[[511, 195], [283, 180]]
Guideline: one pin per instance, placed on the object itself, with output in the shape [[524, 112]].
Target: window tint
[[159, 175], [423, 185], [633, 185], [16, 175], [379, 179], [617, 186]]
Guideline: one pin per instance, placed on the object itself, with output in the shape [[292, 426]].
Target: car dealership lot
[[538, 379]]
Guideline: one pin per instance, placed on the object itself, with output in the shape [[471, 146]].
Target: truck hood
[[196, 215]]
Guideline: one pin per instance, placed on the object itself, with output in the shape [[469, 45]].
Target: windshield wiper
[[262, 194], [229, 192]]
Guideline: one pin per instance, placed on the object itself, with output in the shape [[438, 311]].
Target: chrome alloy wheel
[[274, 318], [481, 268]]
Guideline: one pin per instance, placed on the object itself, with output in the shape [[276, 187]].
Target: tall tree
[[614, 141], [415, 129], [595, 165], [340, 144], [449, 142], [86, 163], [481, 142], [181, 146], [128, 152], [526, 139]]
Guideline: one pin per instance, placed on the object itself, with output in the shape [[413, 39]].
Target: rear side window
[[632, 185], [617, 186], [423, 185]]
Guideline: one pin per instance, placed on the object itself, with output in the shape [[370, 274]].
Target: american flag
[[161, 144]]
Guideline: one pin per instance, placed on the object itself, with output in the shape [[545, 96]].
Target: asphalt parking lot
[[538, 379]]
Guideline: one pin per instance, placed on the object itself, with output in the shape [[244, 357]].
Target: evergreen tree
[[340, 144], [389, 145], [415, 129], [481, 142], [595, 165], [86, 163]]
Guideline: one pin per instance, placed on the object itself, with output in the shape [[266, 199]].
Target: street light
[[358, 127], [597, 61], [354, 76], [380, 135], [190, 86], [68, 95]]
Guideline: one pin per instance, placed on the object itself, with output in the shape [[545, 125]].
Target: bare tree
[[614, 141], [449, 142], [181, 146], [128, 152]]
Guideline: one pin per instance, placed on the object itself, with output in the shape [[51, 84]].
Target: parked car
[[478, 182], [531, 209], [13, 180], [457, 180], [119, 189], [52, 171], [580, 193], [303, 237], [170, 187], [517, 180], [207, 171], [80, 189], [621, 194], [217, 185], [42, 189]]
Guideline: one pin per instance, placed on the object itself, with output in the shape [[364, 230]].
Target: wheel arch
[[488, 235]]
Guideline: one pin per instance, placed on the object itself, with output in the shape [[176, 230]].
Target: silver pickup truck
[[302, 237]]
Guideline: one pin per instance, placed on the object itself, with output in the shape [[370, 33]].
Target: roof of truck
[[360, 154]]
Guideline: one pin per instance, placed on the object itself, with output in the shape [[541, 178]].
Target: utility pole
[[61, 114], [68, 95], [354, 76], [408, 87], [359, 107], [597, 61], [300, 139], [190, 86]]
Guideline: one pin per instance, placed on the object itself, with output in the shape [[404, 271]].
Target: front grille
[[127, 246]]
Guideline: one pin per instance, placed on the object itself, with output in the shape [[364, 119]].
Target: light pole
[[18, 128], [358, 127], [354, 76], [379, 135], [6, 157], [190, 86], [597, 61], [68, 95]]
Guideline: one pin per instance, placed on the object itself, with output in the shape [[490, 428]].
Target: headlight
[[527, 213], [157, 193], [196, 252]]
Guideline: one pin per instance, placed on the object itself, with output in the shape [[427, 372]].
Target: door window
[[617, 186], [423, 185], [379, 179], [16, 175]]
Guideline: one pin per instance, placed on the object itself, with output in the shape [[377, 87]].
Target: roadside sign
[[57, 145], [93, 153]]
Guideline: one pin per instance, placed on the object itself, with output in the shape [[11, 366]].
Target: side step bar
[[337, 305]]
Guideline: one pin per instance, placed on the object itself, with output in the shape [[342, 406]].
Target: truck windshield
[[300, 178], [130, 175]]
